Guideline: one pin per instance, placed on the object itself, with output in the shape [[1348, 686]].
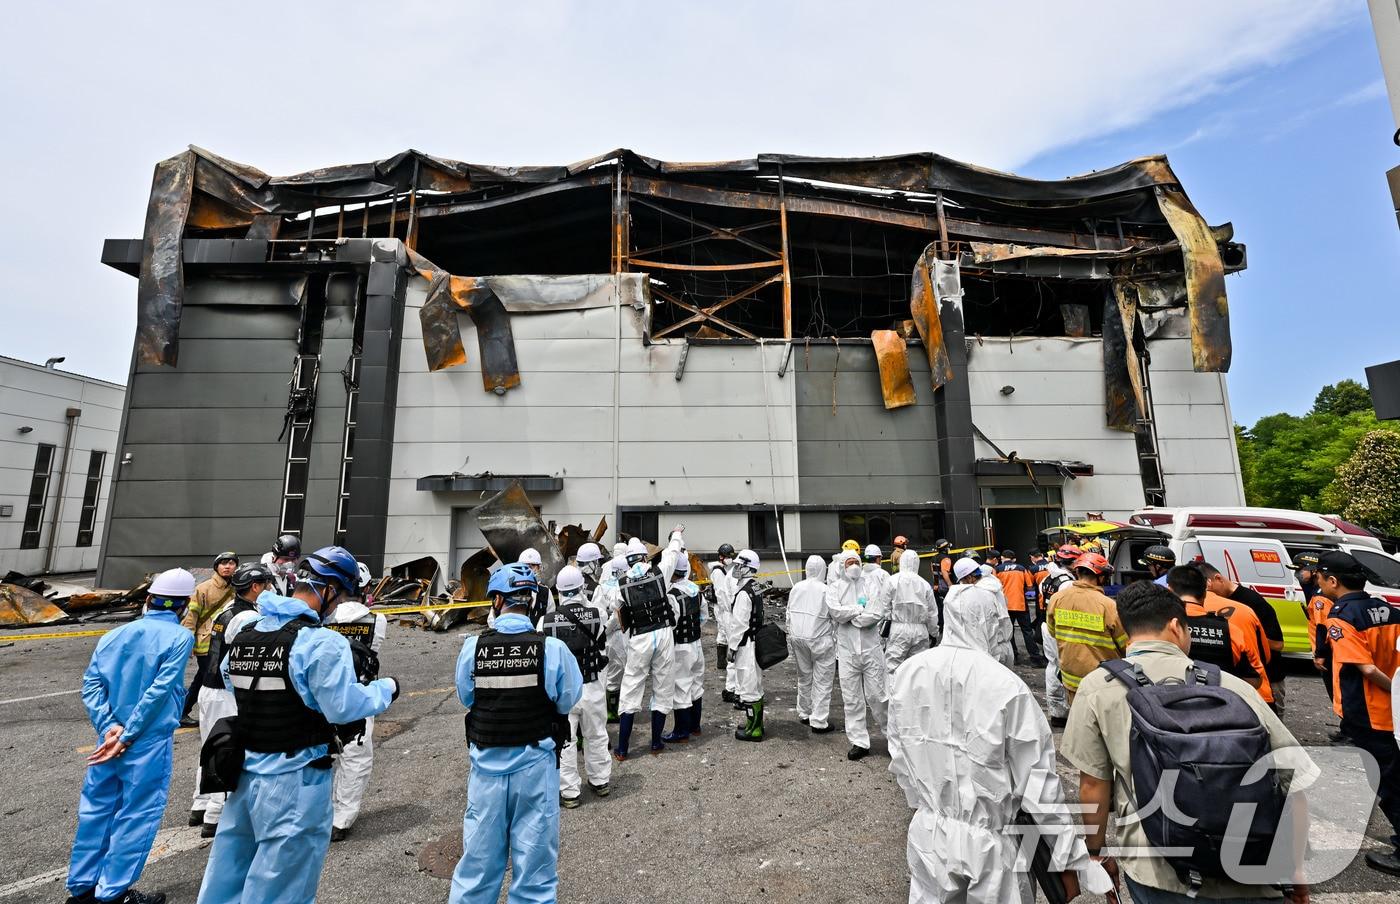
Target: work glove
[[395, 695]]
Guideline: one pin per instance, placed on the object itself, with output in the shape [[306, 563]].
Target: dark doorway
[[1019, 528]]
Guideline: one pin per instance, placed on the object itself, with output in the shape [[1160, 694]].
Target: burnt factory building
[[781, 352]]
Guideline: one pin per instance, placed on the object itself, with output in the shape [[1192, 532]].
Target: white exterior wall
[[1057, 412], [608, 417], [31, 396]]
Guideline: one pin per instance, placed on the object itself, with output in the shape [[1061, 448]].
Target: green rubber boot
[[753, 726], [613, 698]]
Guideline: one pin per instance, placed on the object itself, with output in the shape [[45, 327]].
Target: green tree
[[1367, 488], [1288, 461], [1346, 397]]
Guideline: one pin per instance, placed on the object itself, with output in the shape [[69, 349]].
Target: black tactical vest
[[360, 633], [644, 604], [584, 640], [510, 707], [755, 609], [272, 717], [687, 617], [213, 678], [1210, 640]]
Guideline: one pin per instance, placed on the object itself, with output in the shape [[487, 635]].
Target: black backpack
[[1211, 737]]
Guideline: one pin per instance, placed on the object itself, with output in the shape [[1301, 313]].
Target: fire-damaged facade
[[781, 352]]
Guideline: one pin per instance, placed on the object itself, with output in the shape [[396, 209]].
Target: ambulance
[[1255, 546]]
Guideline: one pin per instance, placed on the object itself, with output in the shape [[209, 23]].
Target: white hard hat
[[588, 552], [636, 547], [365, 576], [176, 583], [617, 566], [530, 556], [873, 551], [682, 566], [964, 567], [748, 557], [570, 578]]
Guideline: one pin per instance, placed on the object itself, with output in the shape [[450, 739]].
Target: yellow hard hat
[[850, 546]]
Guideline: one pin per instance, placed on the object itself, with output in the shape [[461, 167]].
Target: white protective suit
[[978, 617], [1056, 698], [690, 657], [812, 641], [971, 748], [608, 598], [588, 719], [989, 583], [913, 613], [857, 606], [356, 760], [213, 706], [723, 585], [651, 655], [748, 677]]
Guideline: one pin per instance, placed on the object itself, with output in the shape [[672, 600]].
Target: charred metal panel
[[892, 354], [923, 306], [1205, 282], [1120, 405], [511, 525]]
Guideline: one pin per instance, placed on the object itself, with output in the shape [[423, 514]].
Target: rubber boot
[[753, 726], [624, 734], [681, 734], [613, 697], [721, 656], [695, 717], [658, 725]]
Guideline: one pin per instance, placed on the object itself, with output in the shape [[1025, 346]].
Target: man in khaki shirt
[[1096, 742], [1084, 622], [209, 599]]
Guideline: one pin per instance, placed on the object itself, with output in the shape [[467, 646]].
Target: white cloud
[[96, 96], [1370, 91]]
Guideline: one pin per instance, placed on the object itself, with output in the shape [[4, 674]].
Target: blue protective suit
[[513, 793], [276, 827], [136, 679]]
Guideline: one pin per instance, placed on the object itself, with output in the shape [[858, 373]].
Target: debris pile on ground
[[27, 601]]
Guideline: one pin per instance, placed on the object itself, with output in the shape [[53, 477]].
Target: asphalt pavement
[[714, 821]]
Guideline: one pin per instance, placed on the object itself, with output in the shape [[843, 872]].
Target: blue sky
[[1295, 156], [1271, 111]]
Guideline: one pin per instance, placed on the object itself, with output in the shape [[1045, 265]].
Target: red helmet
[[1093, 562], [1068, 553]]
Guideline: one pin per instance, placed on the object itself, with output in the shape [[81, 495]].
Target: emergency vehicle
[[1255, 546]]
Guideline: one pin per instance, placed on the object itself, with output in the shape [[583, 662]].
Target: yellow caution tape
[[434, 607], [53, 636]]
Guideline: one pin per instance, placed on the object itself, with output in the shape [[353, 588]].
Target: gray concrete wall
[[31, 396], [862, 453], [1057, 412], [207, 468]]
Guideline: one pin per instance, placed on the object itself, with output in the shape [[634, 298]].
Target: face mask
[[853, 572]]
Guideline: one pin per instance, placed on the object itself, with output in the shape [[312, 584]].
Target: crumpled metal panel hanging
[[1205, 282], [1125, 397], [442, 337], [892, 354], [511, 524], [924, 306]]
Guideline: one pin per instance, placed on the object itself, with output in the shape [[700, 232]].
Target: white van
[[1255, 547]]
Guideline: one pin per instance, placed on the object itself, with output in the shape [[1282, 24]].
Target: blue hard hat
[[333, 563], [512, 579]]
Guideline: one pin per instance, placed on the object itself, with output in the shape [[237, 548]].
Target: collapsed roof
[[782, 247]]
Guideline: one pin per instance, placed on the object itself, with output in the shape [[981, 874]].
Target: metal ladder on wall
[[1154, 489], [301, 410]]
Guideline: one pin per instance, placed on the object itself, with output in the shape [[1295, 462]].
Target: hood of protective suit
[[909, 562], [279, 606], [349, 611], [958, 631], [816, 568]]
